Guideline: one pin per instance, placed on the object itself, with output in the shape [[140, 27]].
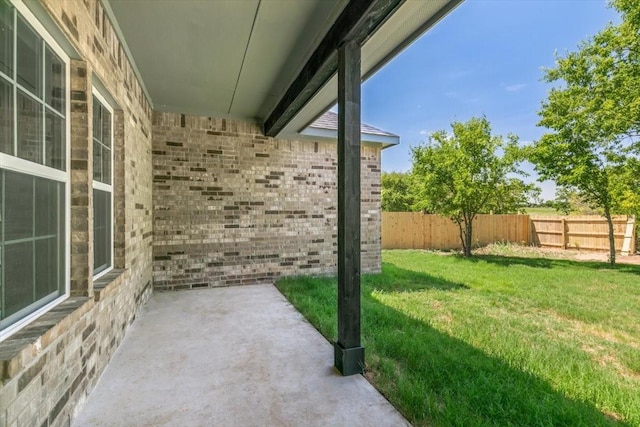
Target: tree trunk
[[467, 236], [465, 232], [612, 241], [463, 241]]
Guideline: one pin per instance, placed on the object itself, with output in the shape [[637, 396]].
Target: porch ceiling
[[233, 58]]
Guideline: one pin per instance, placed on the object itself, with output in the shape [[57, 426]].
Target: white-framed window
[[102, 185], [34, 174]]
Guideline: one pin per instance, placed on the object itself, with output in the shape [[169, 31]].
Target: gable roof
[[326, 127]]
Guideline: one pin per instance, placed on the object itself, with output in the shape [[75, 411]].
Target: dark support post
[[349, 354]]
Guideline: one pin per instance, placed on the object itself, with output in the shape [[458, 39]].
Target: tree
[[594, 119], [397, 192], [514, 195], [459, 175], [569, 200]]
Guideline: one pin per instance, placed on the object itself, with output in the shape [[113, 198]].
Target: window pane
[[6, 116], [18, 277], [97, 119], [106, 128], [18, 206], [97, 161], [46, 212], [61, 236], [46, 264], [34, 265], [106, 165], [29, 58], [6, 38], [29, 128], [54, 80], [101, 230], [55, 141]]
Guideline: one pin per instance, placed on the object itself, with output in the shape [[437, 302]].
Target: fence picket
[[414, 230]]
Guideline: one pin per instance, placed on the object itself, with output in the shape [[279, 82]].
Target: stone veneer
[[231, 206], [48, 368]]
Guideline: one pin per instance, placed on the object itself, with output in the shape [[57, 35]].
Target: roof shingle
[[329, 120]]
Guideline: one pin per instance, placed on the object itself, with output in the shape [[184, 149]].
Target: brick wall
[[231, 206], [48, 368]]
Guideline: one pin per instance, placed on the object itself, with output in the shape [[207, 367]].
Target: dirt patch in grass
[[537, 252], [600, 355], [599, 256]]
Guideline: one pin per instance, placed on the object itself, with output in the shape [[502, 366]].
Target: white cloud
[[515, 87], [424, 132]]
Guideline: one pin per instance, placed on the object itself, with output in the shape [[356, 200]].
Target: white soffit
[[223, 58], [381, 47], [237, 58], [187, 52], [285, 35]]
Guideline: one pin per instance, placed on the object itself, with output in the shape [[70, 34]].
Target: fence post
[[627, 244], [563, 224]]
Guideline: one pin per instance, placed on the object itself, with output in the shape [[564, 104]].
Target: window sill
[[17, 351], [21, 348], [104, 285]]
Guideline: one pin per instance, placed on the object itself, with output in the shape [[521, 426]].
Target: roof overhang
[[242, 59], [332, 135], [325, 128]]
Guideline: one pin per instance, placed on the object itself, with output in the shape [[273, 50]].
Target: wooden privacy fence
[[589, 232], [415, 230]]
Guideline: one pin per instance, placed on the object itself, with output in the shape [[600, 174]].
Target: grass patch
[[543, 211], [495, 340]]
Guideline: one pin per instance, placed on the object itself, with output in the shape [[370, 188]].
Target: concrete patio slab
[[238, 356]]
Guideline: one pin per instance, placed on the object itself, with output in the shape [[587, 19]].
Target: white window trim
[[97, 185], [20, 165]]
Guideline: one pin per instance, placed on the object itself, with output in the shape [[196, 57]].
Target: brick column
[[81, 180]]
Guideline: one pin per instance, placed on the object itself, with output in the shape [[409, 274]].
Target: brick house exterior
[[197, 202], [231, 206]]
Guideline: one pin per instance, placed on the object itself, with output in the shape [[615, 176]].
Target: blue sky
[[484, 58]]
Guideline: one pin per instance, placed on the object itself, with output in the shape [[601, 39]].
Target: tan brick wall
[[48, 368], [234, 207]]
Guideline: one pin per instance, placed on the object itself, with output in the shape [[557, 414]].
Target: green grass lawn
[[495, 340]]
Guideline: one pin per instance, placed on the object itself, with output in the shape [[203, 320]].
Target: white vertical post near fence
[[628, 237]]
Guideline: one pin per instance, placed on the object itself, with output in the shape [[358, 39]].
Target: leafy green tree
[[594, 118], [568, 200], [459, 175], [514, 195], [398, 193]]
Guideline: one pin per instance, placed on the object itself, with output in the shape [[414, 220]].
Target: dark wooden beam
[[357, 22], [349, 354]]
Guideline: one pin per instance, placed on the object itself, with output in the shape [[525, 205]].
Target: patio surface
[[238, 356]]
